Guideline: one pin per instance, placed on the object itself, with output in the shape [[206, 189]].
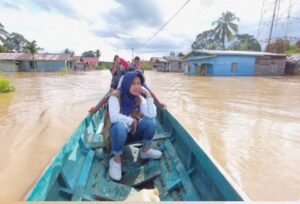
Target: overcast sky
[[115, 26]]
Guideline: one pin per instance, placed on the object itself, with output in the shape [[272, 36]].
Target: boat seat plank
[[72, 168], [106, 189], [190, 191], [80, 185], [143, 174]]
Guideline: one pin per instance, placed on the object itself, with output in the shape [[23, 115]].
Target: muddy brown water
[[250, 125]]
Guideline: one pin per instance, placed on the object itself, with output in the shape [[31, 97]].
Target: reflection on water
[[249, 125]]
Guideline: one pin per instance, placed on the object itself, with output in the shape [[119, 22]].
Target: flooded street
[[250, 125]]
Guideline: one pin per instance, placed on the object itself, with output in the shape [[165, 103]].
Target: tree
[[3, 33], [97, 53], [225, 27], [180, 54], [207, 40], [3, 49], [298, 44], [68, 51], [33, 49], [88, 54], [245, 42], [15, 42], [279, 46]]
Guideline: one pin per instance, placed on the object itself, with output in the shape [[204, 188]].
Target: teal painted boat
[[184, 173]]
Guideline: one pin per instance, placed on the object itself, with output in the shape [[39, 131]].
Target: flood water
[[250, 125]]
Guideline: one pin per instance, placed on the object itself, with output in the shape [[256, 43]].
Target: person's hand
[[162, 105], [133, 126], [145, 91], [93, 110]]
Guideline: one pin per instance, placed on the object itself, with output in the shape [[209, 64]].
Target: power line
[[160, 29]]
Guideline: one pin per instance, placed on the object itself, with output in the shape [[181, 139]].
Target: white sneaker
[[151, 154], [114, 171]]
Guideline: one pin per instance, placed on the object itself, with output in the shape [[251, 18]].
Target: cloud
[[63, 7], [11, 5]]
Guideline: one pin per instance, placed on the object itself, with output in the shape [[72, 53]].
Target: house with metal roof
[[293, 64], [166, 63], [42, 62], [233, 63]]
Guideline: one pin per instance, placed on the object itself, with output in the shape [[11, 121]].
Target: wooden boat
[[184, 173]]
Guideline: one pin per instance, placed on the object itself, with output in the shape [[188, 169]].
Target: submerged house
[[233, 63], [158, 63], [293, 64], [174, 64], [42, 62], [166, 63]]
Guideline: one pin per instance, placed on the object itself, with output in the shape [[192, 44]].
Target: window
[[234, 67]]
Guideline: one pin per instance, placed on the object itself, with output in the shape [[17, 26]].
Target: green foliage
[[15, 42], [97, 53], [104, 66], [292, 49], [3, 48], [180, 54], [279, 46], [3, 33], [146, 65], [32, 47], [5, 85], [68, 51], [245, 42], [207, 40], [89, 53], [225, 27]]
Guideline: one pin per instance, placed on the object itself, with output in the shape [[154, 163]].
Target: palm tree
[[3, 33], [98, 53], [33, 49], [225, 27]]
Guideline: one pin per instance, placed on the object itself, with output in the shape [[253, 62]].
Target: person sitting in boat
[[137, 65], [133, 118], [119, 78], [119, 68]]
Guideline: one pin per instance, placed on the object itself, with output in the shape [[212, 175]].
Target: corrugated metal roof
[[38, 56], [172, 58], [234, 52], [160, 59], [90, 60], [294, 58]]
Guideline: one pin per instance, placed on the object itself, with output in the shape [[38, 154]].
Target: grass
[[104, 66], [5, 85]]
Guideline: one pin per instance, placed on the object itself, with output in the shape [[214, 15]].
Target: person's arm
[[114, 69], [99, 105], [114, 112], [147, 106]]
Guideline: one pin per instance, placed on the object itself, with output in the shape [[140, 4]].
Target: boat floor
[[84, 176]]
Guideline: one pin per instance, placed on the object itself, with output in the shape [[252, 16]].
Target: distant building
[[13, 62], [90, 63], [174, 64], [158, 63], [166, 63], [293, 64], [233, 63]]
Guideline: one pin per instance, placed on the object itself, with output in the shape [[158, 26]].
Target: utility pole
[[272, 24], [131, 54], [288, 20]]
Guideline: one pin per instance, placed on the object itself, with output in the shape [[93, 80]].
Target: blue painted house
[[233, 63], [14, 62]]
